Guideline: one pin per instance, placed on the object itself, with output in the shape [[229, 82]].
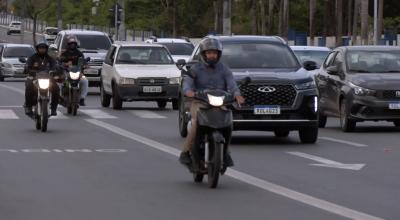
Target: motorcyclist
[[207, 74], [40, 61], [69, 58]]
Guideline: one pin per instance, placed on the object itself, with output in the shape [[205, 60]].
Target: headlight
[[175, 80], [307, 85], [360, 91], [44, 83], [74, 75], [315, 104], [6, 65], [126, 81], [215, 100]]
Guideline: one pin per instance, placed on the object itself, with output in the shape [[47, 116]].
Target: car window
[[338, 59], [143, 55], [311, 55], [373, 61], [12, 52], [329, 59], [110, 55], [58, 40], [258, 55], [179, 48], [196, 56], [90, 42], [51, 31]]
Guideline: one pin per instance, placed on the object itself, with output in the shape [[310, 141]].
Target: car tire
[[396, 123], [281, 133], [322, 120], [104, 97], [1, 79], [161, 104], [308, 135], [175, 104], [346, 123], [116, 99]]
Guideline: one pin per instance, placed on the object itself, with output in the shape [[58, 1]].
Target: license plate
[[152, 89], [91, 71], [394, 105], [267, 110]]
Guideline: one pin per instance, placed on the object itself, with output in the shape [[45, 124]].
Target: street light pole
[[375, 22]]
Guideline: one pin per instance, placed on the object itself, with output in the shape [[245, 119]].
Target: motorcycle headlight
[[6, 65], [307, 85], [74, 75], [216, 101], [175, 80], [44, 83], [126, 81], [360, 91]]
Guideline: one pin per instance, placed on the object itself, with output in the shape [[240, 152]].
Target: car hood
[[285, 76], [180, 57], [377, 81], [11, 61], [136, 71], [94, 54]]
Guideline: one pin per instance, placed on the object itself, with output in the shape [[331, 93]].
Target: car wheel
[[175, 104], [116, 99], [322, 120], [104, 97], [161, 104], [396, 123], [346, 123], [308, 135], [1, 79], [281, 133]]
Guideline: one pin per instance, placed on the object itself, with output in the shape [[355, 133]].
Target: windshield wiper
[[392, 71]]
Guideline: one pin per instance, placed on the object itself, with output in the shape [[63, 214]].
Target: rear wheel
[[322, 120], [1, 79], [69, 109], [161, 104], [74, 109], [175, 104], [214, 166], [396, 123], [281, 133], [116, 99], [346, 123], [104, 97], [308, 135]]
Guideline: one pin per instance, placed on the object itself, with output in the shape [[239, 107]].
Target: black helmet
[[42, 45], [72, 40], [210, 44]]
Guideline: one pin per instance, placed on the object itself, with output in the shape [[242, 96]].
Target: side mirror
[[310, 65], [246, 81], [332, 70], [53, 47], [22, 59], [87, 59], [180, 63]]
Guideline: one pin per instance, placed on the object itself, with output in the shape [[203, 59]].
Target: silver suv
[[93, 44]]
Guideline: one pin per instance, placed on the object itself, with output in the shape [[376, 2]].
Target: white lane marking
[[343, 142], [323, 162], [20, 91], [243, 177], [60, 115], [8, 114], [146, 114], [11, 106], [96, 113]]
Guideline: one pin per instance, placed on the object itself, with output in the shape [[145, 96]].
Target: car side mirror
[[53, 47], [310, 65], [22, 59], [87, 59], [332, 70], [180, 63]]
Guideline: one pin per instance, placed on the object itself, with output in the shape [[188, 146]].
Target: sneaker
[[82, 102], [28, 111], [185, 158], [228, 160], [54, 112]]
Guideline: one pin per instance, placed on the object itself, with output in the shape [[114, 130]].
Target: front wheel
[[161, 104], [116, 99], [104, 97], [322, 120], [281, 133], [397, 123], [346, 123], [308, 135], [198, 177], [44, 116], [214, 165], [183, 121], [1, 79], [74, 109], [175, 104]]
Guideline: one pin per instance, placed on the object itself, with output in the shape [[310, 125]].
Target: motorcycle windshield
[[216, 118]]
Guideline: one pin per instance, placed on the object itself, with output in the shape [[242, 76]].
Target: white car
[[50, 34], [10, 63], [139, 72], [179, 48], [311, 53], [14, 27]]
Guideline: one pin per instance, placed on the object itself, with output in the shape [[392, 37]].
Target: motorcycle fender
[[75, 95], [218, 137]]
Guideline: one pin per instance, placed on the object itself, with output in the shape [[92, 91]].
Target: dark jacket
[[38, 63], [71, 55]]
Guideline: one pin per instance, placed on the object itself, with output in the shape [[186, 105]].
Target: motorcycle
[[70, 94], [41, 109]]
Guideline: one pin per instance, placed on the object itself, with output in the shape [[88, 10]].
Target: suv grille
[[95, 63], [390, 94], [152, 81], [284, 95]]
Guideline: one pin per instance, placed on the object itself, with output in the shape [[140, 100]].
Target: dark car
[[360, 83], [280, 94]]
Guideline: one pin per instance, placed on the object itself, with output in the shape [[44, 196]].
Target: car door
[[321, 79], [108, 69], [335, 83]]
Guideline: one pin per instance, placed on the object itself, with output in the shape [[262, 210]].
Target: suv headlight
[[175, 80], [307, 85], [6, 65], [360, 91], [126, 81]]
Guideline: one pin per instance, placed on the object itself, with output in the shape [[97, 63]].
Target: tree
[[356, 13], [271, 6], [364, 22], [339, 16], [263, 21], [311, 25]]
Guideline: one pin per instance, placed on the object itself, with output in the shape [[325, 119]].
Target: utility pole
[[375, 22], [227, 11], [23, 22], [59, 15], [121, 21]]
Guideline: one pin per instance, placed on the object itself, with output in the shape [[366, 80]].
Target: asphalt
[[108, 164]]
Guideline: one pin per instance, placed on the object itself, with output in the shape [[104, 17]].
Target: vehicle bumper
[[93, 75], [14, 73], [373, 109], [135, 93]]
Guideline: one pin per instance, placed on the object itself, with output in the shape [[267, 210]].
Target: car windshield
[[179, 48], [374, 61], [311, 55], [18, 52], [143, 55], [52, 31], [91, 42], [15, 23], [257, 55]]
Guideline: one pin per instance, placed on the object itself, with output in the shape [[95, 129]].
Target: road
[[107, 164]]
